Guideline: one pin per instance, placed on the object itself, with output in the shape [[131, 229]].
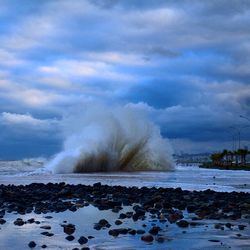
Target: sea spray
[[106, 139]]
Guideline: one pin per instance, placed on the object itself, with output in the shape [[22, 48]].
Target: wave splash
[[103, 139]]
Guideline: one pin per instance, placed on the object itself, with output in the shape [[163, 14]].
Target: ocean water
[[187, 177]]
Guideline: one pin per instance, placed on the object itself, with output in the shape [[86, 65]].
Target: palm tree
[[216, 158], [242, 153]]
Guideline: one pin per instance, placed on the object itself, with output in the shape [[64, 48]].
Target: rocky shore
[[163, 207]]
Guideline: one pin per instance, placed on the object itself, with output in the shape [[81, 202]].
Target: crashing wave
[[103, 139]]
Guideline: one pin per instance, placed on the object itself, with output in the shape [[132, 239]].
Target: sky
[[185, 63]]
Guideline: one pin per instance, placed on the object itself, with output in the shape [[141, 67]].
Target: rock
[[214, 240], [2, 221], [103, 223], [116, 232], [147, 238], [46, 227], [135, 217], [43, 246], [160, 239], [154, 230], [32, 220], [182, 223], [70, 237], [82, 240], [97, 185], [228, 225], [19, 222], [140, 231], [241, 227], [122, 216], [173, 217], [73, 208], [116, 210], [69, 229], [47, 234], [132, 231], [32, 244], [85, 248], [113, 233], [191, 208], [118, 222], [97, 226]]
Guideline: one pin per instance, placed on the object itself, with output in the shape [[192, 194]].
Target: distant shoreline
[[211, 165]]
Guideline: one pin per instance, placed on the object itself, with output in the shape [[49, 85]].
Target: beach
[[189, 208]]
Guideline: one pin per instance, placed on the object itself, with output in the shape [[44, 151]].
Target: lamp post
[[238, 131], [234, 139]]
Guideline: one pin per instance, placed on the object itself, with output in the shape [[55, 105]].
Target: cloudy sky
[[186, 63]]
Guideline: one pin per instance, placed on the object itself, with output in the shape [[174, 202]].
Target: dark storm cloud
[[186, 60]]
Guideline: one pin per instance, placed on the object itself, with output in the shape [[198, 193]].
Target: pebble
[[47, 234], [32, 244], [147, 238], [70, 237], [154, 230], [46, 227], [2, 221], [48, 217], [241, 227], [82, 240], [69, 229], [118, 222], [19, 222], [182, 223]]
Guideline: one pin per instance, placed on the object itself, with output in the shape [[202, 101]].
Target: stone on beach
[[32, 244], [69, 229], [82, 240], [147, 238]]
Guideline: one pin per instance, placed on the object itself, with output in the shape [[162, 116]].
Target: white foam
[[104, 138]]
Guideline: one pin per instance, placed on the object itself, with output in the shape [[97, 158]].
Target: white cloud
[[118, 58], [14, 118], [88, 69], [29, 96], [35, 97], [28, 121], [9, 58]]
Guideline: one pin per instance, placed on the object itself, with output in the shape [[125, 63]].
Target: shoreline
[[160, 210], [209, 165]]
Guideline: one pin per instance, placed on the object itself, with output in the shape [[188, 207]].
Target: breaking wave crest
[[111, 139]]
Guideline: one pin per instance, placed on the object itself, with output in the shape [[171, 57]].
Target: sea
[[187, 177]]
